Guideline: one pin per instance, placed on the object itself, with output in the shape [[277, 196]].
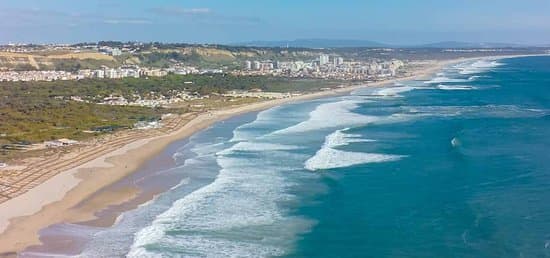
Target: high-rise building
[[267, 66], [248, 65], [323, 59], [338, 61], [116, 52], [257, 65]]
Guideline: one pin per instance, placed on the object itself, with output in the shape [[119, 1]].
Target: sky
[[404, 22]]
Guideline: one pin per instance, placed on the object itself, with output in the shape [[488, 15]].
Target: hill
[[459, 44], [315, 43], [61, 60]]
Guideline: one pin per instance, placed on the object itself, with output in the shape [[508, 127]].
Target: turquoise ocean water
[[457, 166]]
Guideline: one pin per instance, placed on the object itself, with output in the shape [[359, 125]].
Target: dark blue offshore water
[[475, 181]]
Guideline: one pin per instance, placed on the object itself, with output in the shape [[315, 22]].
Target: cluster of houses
[[127, 71], [153, 99], [15, 76]]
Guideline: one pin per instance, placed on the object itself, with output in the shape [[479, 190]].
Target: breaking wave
[[455, 87], [478, 66], [239, 214], [330, 115], [443, 79], [329, 157]]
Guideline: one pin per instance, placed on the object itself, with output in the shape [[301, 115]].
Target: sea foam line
[[236, 215], [478, 66], [329, 157], [455, 87], [330, 115]]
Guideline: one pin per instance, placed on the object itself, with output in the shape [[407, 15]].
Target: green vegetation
[[74, 65], [164, 59], [94, 90], [37, 111], [54, 120]]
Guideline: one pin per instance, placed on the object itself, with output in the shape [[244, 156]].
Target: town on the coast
[[323, 66], [59, 96]]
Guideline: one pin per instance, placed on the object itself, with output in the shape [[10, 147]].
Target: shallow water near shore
[[455, 166]]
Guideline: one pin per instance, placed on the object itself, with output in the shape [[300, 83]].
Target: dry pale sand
[[54, 200]]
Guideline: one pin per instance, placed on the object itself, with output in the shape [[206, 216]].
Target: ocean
[[455, 166]]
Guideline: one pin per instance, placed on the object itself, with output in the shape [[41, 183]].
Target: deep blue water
[[486, 195], [452, 167]]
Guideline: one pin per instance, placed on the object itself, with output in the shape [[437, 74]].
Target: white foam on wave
[[455, 87], [330, 115], [237, 215], [478, 66], [213, 220], [200, 149], [340, 114], [269, 119], [339, 138], [328, 157], [257, 146], [465, 68], [443, 79], [455, 142], [393, 91], [206, 149], [183, 182]]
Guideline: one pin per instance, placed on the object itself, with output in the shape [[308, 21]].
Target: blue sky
[[226, 21]]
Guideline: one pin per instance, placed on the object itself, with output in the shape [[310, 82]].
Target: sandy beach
[[56, 199]]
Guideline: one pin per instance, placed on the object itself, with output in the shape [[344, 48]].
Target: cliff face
[[51, 61], [209, 56]]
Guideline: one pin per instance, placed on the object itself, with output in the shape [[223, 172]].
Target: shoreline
[[54, 200]]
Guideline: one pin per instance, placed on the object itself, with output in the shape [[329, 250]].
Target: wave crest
[[328, 157]]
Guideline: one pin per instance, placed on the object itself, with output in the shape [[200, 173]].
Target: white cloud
[[204, 15], [196, 10], [126, 21], [176, 11]]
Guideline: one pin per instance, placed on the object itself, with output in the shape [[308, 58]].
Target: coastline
[[54, 200]]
